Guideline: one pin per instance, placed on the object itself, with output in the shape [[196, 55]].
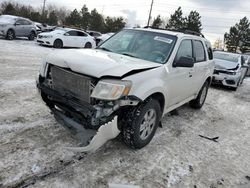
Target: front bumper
[[226, 79], [90, 139]]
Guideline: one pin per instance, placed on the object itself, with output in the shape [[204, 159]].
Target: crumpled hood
[[98, 63], [223, 64]]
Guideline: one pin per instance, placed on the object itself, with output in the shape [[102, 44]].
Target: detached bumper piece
[[90, 139]]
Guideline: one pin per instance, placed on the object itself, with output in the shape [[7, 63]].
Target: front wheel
[[10, 34], [88, 45], [140, 124], [58, 43], [200, 99]]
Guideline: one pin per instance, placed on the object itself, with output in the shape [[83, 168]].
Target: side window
[[19, 22], [185, 50], [72, 33], [199, 51], [81, 34], [209, 50]]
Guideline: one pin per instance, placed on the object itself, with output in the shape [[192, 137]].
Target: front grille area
[[70, 83]]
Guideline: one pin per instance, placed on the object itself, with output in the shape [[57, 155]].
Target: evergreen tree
[[8, 8], [193, 21], [114, 24], [85, 20], [74, 19], [238, 36], [96, 21], [52, 19], [176, 21], [157, 22]]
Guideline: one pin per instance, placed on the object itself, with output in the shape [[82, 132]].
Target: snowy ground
[[32, 144]]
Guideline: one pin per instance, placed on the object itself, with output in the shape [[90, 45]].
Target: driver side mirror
[[184, 62], [17, 24], [66, 34]]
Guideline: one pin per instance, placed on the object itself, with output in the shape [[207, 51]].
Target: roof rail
[[185, 31]]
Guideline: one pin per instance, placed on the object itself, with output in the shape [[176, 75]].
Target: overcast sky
[[217, 15]]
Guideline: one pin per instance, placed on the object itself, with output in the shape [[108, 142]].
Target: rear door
[[201, 65], [27, 25], [81, 39]]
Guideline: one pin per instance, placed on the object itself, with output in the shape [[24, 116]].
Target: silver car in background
[[230, 69], [14, 26], [247, 60]]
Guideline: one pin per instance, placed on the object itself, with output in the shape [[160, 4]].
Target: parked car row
[[14, 26]]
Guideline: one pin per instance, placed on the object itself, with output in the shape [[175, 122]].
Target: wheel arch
[[209, 79], [160, 98]]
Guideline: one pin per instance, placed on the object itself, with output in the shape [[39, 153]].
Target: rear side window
[[81, 34], [199, 51], [185, 50], [209, 50]]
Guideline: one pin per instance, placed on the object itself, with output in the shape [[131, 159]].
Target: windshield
[[226, 56], [146, 45]]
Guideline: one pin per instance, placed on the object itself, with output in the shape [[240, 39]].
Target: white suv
[[126, 84]]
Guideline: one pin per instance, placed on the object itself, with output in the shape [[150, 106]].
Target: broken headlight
[[111, 89]]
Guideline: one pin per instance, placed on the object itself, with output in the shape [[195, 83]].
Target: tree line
[[84, 19], [238, 37], [179, 22]]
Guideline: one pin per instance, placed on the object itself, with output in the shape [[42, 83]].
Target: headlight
[[111, 89], [47, 36]]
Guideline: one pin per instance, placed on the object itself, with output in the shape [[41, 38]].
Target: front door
[[180, 79]]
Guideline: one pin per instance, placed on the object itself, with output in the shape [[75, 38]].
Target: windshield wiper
[[130, 55], [105, 49]]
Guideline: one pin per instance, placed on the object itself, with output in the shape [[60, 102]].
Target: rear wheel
[[140, 124], [32, 36], [58, 43], [10, 34], [200, 99], [88, 45]]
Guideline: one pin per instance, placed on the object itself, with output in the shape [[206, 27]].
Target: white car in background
[[66, 37]]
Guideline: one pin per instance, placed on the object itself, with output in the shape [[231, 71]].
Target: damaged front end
[[76, 102], [226, 77]]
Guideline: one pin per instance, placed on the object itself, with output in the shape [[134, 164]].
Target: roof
[[169, 32]]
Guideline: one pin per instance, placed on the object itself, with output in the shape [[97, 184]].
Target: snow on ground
[[32, 143]]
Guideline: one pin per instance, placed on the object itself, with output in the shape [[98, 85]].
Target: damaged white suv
[[126, 85]]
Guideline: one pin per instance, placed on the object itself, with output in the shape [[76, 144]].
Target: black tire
[[58, 43], [88, 45], [200, 99], [32, 35], [10, 35], [132, 121]]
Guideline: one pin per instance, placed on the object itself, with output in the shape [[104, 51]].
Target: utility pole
[[44, 1], [149, 16]]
